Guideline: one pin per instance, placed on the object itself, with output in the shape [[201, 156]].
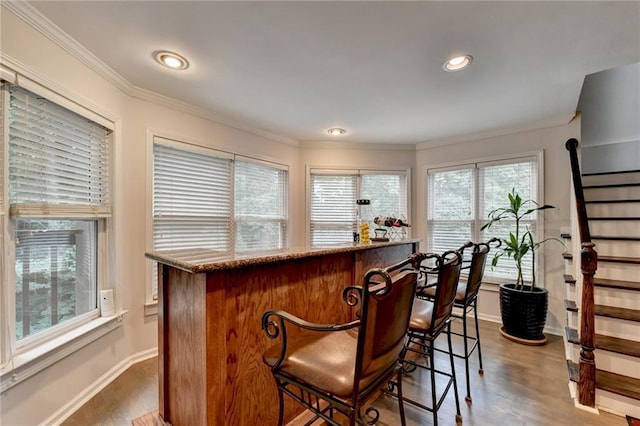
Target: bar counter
[[210, 305]]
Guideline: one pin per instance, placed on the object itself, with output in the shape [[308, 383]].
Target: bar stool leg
[[280, 406], [434, 397], [453, 374], [475, 313], [466, 354], [403, 422]]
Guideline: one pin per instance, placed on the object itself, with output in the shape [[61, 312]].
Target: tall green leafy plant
[[520, 240]]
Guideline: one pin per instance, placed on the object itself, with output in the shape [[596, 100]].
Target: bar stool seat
[[326, 360]]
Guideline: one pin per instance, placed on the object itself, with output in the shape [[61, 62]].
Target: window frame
[[537, 156], [358, 171]]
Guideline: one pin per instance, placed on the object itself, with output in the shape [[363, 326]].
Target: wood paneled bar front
[[210, 306]]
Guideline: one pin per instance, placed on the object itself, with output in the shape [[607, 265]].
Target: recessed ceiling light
[[171, 60], [336, 131], [458, 63]]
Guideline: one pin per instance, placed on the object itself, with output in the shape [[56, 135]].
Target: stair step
[[614, 312], [617, 270], [570, 305], [611, 382], [628, 191], [607, 283], [608, 237], [634, 200], [612, 185], [567, 256], [603, 178], [618, 384], [618, 345], [619, 259], [607, 343], [573, 369], [617, 284], [609, 245], [627, 227], [565, 236], [572, 335], [615, 218], [616, 209]]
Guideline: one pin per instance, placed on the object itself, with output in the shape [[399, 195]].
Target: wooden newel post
[[587, 383]]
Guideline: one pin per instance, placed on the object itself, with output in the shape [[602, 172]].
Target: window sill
[[33, 361], [150, 309]]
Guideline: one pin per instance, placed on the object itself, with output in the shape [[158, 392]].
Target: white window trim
[[309, 169], [181, 142], [504, 159], [18, 364]]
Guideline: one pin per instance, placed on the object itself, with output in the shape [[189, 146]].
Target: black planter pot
[[524, 313]]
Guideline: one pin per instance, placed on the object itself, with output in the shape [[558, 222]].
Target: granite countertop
[[204, 260]]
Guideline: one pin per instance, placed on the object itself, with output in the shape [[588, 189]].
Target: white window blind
[[460, 199], [496, 180], [387, 194], [58, 160], [451, 209], [191, 200], [260, 206], [333, 209]]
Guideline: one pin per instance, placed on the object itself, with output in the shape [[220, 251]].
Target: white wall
[[610, 108], [556, 192]]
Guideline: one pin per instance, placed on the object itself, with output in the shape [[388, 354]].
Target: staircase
[[611, 325]]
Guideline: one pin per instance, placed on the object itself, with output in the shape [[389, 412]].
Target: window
[[203, 198], [58, 194], [333, 211], [460, 198], [191, 199], [260, 206]]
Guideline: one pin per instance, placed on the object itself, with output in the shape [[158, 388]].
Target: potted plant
[[523, 306]]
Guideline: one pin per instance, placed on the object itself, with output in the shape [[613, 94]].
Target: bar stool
[[329, 368], [467, 300], [428, 320]]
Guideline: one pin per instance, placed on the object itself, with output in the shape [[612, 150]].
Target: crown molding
[[552, 122], [333, 145], [46, 27], [41, 23]]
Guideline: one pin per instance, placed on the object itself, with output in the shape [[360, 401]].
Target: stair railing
[[588, 266]]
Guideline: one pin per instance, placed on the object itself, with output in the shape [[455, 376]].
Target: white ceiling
[[295, 69]]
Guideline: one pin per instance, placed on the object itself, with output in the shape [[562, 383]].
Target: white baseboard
[[72, 406], [498, 320], [490, 318], [579, 406]]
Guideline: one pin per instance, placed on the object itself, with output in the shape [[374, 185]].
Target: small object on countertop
[[364, 233]]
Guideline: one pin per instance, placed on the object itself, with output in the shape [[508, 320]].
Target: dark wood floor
[[522, 385]]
